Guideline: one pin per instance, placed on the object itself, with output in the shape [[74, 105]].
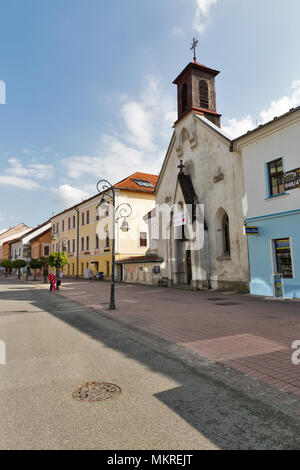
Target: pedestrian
[[52, 281]]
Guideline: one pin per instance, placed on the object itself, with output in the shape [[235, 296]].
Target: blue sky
[[89, 89]]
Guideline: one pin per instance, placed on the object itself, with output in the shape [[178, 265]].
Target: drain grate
[[96, 391], [228, 304]]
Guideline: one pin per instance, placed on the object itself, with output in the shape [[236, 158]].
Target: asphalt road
[[54, 345]]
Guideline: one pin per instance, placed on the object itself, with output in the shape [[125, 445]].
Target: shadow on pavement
[[229, 418]]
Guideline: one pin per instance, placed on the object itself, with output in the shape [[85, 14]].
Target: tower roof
[[199, 67]]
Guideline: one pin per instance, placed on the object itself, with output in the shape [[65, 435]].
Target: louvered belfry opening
[[203, 90], [184, 97]]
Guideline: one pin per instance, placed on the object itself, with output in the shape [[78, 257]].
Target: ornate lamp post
[[124, 211], [61, 242]]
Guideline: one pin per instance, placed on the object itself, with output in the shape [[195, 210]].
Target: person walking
[[52, 281]]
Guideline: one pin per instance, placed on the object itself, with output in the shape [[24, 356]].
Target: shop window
[[284, 264], [275, 174]]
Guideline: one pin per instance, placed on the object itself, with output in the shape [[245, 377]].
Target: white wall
[[285, 142]]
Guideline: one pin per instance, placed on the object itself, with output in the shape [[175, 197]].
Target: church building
[[200, 170]]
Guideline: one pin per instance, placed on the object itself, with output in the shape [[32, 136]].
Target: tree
[[58, 260], [18, 264], [7, 264], [35, 264], [44, 263]]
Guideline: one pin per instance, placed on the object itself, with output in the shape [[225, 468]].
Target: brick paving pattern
[[250, 335]]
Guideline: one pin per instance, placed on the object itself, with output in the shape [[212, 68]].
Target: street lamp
[[123, 211], [62, 241]]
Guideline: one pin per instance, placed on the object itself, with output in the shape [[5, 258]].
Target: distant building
[[85, 230]]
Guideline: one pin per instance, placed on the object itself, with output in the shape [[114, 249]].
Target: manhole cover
[[96, 391], [228, 304]]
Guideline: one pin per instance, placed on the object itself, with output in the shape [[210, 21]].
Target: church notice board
[[292, 179]]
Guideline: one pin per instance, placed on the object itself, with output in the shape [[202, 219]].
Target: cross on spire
[[193, 48]]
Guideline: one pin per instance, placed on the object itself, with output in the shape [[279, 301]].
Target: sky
[[86, 87]]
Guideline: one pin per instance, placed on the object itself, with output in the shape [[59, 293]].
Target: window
[[46, 250], [203, 92], [57, 228], [97, 242], [69, 223], [276, 182], [87, 243], [74, 221], [82, 218], [87, 217], [143, 239], [283, 257], [107, 268], [82, 244], [73, 245], [63, 226], [69, 246], [184, 97], [143, 183], [107, 239], [226, 236]]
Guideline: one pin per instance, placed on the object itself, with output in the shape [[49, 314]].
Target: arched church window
[[203, 91], [226, 235], [184, 97]]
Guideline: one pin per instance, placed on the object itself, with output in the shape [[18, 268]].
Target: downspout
[[77, 244]]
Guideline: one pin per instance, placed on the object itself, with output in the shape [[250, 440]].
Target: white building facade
[[201, 171], [271, 163]]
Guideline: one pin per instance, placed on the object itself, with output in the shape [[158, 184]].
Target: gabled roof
[[132, 182], [126, 184], [33, 231]]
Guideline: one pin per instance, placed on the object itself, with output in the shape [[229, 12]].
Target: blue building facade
[[276, 248]]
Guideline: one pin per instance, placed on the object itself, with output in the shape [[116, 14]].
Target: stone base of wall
[[239, 286]]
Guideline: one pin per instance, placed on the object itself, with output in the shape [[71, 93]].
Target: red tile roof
[[131, 184]]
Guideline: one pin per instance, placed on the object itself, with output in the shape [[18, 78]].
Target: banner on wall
[[278, 286]]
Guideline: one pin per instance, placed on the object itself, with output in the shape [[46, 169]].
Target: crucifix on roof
[[193, 48]]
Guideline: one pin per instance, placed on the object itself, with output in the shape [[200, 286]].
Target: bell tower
[[196, 90]]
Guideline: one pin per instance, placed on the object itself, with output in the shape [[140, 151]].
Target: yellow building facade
[[85, 231]]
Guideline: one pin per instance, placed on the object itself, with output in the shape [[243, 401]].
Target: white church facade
[[201, 171]]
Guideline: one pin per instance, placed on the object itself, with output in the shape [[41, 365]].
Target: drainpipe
[[77, 244]]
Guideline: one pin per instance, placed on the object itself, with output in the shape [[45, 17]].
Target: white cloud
[[68, 196], [237, 127], [33, 170], [18, 182], [144, 131], [202, 12]]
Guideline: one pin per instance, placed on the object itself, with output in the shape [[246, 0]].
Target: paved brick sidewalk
[[249, 335]]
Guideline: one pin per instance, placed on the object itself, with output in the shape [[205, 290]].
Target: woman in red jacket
[[52, 281]]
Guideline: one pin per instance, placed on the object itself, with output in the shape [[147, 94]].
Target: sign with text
[[251, 231], [292, 179]]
